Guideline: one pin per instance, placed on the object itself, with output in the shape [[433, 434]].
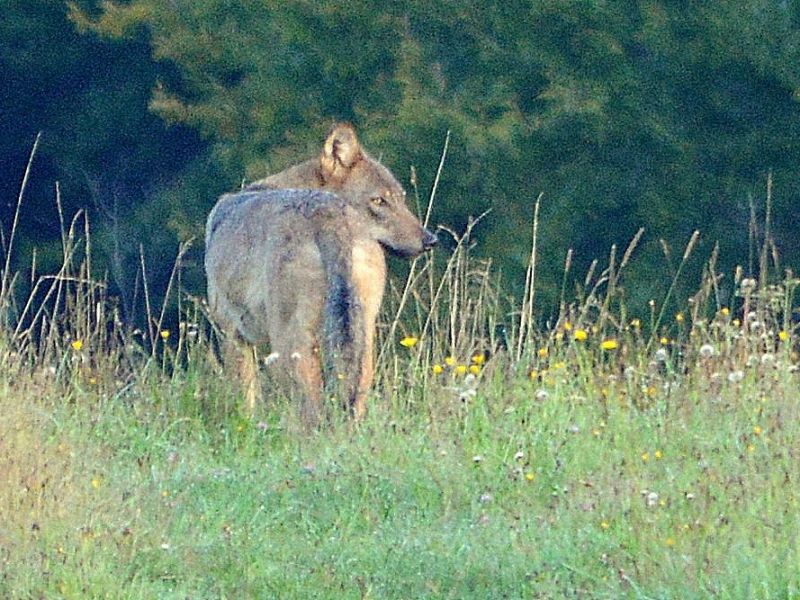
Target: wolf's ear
[[340, 152]]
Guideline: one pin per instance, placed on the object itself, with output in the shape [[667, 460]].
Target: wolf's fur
[[297, 259]]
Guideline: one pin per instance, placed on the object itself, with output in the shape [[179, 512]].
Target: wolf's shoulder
[[254, 201]]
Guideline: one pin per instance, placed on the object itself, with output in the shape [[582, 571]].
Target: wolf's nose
[[428, 239]]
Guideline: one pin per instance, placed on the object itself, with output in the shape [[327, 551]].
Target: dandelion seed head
[[735, 376], [707, 351]]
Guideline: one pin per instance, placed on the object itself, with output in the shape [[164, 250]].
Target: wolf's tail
[[344, 334]]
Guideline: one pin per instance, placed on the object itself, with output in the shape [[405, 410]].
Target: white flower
[[735, 376], [707, 351], [661, 355]]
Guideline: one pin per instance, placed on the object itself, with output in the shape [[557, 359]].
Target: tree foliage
[[628, 114]]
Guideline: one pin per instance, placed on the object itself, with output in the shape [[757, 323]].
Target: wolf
[[298, 260]]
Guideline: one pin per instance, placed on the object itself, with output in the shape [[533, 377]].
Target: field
[[603, 456]]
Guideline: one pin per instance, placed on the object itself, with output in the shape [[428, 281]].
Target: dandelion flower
[[543, 352], [645, 456], [581, 335], [636, 323], [437, 369], [409, 341], [474, 369], [664, 341], [783, 335], [658, 454], [450, 361], [96, 481], [164, 334], [461, 369], [609, 344], [534, 374], [530, 476], [479, 359], [567, 326], [77, 345], [725, 311], [670, 541], [757, 430], [604, 525], [679, 317]]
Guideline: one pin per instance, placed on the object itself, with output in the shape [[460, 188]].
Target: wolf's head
[[370, 188]]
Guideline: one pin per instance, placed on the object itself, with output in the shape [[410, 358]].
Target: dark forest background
[[657, 114]]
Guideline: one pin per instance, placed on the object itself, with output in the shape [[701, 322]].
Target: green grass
[[593, 480], [664, 466]]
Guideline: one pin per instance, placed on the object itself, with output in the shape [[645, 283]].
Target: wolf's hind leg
[[308, 372]]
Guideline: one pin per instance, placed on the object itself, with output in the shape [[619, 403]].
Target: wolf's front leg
[[241, 363]]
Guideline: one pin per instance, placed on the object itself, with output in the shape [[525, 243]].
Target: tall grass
[[608, 455]]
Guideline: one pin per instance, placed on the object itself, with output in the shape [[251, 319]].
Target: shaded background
[[663, 115]]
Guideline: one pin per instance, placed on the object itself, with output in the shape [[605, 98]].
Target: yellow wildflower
[[479, 359], [658, 454], [567, 326], [474, 369], [96, 482], [581, 335], [783, 335], [542, 352], [645, 456], [724, 311], [437, 369], [77, 345], [636, 323], [409, 341], [530, 476], [609, 344], [679, 317], [164, 334], [450, 361], [534, 374], [757, 430], [669, 541], [664, 341], [604, 524], [461, 369]]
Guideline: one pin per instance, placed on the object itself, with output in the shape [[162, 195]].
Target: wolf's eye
[[378, 201]]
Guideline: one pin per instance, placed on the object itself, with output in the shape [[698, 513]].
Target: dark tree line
[[654, 114]]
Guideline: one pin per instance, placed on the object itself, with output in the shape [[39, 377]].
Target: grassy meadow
[[606, 455]]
